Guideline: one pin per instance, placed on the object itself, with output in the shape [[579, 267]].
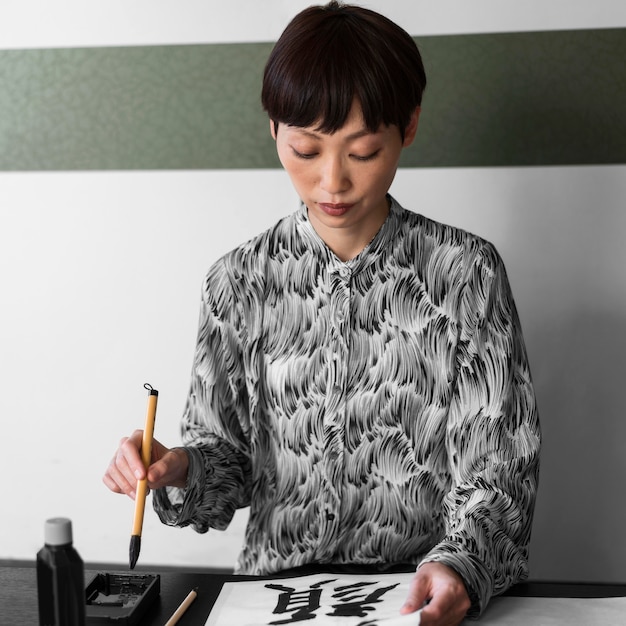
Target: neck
[[347, 247], [347, 242]]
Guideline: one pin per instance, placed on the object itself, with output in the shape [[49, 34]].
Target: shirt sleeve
[[493, 440], [215, 423]]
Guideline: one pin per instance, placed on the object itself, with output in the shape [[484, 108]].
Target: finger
[[158, 473], [117, 481], [130, 449], [110, 483], [417, 596], [447, 607], [168, 470], [434, 612], [126, 466]]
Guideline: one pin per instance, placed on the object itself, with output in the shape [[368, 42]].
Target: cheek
[[300, 175], [376, 179], [383, 177], [289, 162]]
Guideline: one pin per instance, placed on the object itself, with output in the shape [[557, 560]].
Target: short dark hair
[[328, 56]]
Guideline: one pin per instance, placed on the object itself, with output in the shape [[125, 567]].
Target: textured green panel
[[546, 98], [496, 99], [161, 107]]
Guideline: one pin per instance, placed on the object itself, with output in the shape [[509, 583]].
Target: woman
[[360, 378]]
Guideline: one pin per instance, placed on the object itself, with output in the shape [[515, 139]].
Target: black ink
[[351, 601], [354, 603], [302, 604]]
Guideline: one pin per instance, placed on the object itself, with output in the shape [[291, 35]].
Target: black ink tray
[[122, 599]]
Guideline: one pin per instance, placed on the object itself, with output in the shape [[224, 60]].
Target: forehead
[[353, 128]]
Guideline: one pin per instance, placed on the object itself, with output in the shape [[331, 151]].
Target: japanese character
[[354, 603], [302, 604]]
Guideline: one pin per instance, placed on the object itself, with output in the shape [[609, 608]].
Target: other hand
[[445, 592], [168, 466]]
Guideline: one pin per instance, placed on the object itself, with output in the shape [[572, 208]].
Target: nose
[[334, 175]]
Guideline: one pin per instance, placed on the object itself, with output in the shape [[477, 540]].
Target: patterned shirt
[[378, 410]]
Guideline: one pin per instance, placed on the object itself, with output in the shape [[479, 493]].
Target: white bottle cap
[[58, 531]]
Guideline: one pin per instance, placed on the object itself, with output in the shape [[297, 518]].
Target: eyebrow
[[364, 132]]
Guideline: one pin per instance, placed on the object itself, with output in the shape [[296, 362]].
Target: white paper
[[319, 600], [372, 600]]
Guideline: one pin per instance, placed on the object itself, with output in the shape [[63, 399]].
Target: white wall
[[41, 24], [100, 275]]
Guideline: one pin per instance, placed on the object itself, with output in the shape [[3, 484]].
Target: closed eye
[[367, 157], [304, 155], [356, 157]]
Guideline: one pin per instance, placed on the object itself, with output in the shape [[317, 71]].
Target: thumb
[[417, 596], [169, 470]]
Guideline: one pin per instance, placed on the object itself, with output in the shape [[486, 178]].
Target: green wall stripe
[[540, 98]]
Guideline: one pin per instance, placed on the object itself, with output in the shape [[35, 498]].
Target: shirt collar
[[378, 246]]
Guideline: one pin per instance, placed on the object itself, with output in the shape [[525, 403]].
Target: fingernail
[[138, 474]]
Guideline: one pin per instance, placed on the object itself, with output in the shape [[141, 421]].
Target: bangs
[[317, 70], [320, 89]]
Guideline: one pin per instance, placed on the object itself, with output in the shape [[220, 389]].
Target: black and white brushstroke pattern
[[379, 410]]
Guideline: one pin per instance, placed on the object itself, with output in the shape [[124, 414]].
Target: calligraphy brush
[[142, 485]]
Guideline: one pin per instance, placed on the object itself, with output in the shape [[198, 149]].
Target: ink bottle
[[60, 577]]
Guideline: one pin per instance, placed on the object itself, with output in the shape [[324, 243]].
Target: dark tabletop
[[18, 593]]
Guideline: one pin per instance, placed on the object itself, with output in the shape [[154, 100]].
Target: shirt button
[[330, 516], [344, 272]]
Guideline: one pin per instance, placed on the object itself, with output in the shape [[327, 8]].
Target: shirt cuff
[[175, 506]]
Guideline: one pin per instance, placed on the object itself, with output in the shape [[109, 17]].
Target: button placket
[[339, 310]]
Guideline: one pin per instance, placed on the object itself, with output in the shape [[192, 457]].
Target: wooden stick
[[178, 613]]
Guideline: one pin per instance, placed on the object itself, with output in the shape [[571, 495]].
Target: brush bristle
[[133, 551]]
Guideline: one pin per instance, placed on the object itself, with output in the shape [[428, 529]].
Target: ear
[[411, 129], [273, 129]]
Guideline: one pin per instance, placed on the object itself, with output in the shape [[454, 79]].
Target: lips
[[335, 209]]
